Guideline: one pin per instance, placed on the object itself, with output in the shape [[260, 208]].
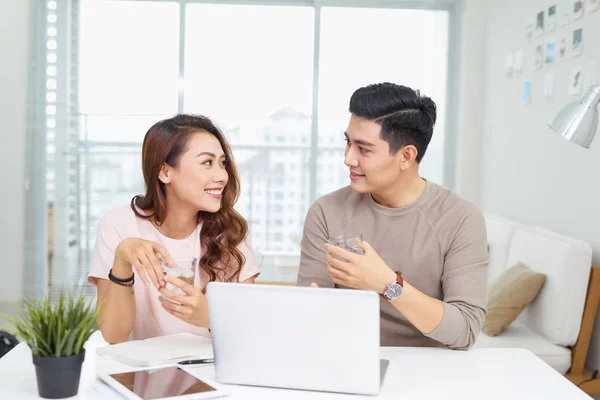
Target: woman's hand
[[192, 308], [145, 256]]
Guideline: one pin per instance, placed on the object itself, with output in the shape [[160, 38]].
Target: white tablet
[[167, 383]]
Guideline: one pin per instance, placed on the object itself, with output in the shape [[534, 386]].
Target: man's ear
[[407, 156], [164, 173]]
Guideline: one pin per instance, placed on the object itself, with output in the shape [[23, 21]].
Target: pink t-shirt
[[151, 319]]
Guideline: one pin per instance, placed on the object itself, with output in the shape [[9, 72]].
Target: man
[[434, 239]]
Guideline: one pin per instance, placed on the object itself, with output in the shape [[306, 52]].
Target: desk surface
[[413, 373]]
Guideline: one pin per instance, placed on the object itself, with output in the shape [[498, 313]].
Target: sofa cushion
[[508, 296], [519, 336], [557, 311]]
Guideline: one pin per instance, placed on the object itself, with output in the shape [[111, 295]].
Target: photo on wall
[[508, 66], [592, 5], [549, 85], [529, 29], [551, 21], [539, 57], [577, 9], [539, 24], [575, 80], [518, 64], [550, 51], [527, 91], [577, 44], [564, 12], [590, 73], [562, 49]]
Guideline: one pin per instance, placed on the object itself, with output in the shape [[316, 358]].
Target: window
[[248, 67], [381, 30]]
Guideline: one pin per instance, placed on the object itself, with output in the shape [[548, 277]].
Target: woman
[[191, 187]]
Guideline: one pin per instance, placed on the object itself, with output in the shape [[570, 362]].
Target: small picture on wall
[[577, 9], [591, 74], [575, 80], [577, 42], [550, 51], [592, 6], [551, 22], [529, 28], [508, 66], [549, 85], [539, 57], [518, 63], [539, 24], [562, 49], [564, 12], [527, 91]]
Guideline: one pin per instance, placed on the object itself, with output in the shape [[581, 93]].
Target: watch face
[[393, 291]]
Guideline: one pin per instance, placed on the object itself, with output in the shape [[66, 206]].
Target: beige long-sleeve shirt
[[438, 242]]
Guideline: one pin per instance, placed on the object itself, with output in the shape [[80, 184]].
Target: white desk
[[413, 373]]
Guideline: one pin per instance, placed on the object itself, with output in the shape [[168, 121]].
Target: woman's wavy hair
[[222, 231]]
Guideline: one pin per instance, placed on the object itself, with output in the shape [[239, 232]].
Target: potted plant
[[56, 332]]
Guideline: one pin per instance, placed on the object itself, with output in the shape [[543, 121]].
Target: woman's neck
[[179, 223]]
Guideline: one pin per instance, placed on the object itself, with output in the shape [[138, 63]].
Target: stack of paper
[[159, 350]]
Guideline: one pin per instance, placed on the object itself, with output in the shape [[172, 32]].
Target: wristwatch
[[394, 289]]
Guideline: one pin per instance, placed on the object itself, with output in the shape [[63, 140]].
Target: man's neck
[[402, 194], [179, 223]]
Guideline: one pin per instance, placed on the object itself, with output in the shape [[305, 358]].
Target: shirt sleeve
[[313, 267], [103, 257], [251, 267], [464, 284]]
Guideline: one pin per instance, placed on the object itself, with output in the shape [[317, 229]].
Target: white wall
[[14, 77], [531, 174]]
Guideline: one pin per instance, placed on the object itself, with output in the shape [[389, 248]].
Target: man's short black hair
[[406, 117]]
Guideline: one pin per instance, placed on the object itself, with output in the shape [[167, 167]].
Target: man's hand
[[193, 307], [367, 271], [313, 285]]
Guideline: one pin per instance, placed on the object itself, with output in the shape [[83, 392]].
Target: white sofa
[[551, 323]]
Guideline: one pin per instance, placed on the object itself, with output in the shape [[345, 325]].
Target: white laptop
[[295, 337]]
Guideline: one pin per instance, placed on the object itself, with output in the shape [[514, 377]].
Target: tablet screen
[[163, 382]]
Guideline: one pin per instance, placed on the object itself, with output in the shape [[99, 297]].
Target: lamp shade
[[577, 122]]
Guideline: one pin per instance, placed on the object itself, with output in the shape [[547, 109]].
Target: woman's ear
[[164, 173]]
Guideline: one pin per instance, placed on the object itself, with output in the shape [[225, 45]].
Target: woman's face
[[199, 178]]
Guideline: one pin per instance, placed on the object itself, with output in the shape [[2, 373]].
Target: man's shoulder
[[449, 213], [339, 206], [341, 198], [448, 202]]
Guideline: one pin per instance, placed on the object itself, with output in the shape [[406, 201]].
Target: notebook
[[159, 350]]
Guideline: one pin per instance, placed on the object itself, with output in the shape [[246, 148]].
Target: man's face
[[372, 168]]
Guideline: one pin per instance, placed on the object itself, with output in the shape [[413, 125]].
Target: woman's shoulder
[[120, 218]]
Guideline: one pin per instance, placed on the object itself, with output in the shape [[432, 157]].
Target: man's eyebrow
[[359, 141]]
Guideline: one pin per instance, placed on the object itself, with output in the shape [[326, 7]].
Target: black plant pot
[[58, 377]]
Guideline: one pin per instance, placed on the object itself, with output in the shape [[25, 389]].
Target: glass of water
[[352, 243], [184, 269]]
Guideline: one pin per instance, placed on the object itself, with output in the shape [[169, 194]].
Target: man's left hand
[[367, 271], [193, 307]]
